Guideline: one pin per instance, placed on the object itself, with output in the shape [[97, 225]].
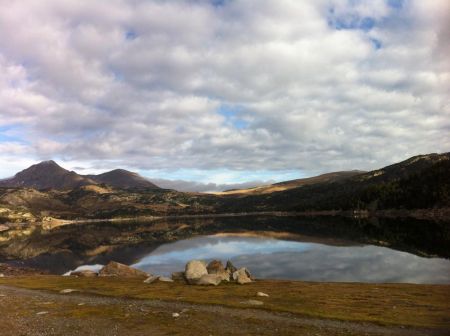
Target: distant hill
[[49, 175], [121, 178], [286, 185]]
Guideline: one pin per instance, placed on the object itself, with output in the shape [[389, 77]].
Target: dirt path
[[32, 312]]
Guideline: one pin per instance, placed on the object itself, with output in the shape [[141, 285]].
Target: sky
[[223, 92]]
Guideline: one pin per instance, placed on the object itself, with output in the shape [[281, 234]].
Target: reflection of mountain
[[69, 246]]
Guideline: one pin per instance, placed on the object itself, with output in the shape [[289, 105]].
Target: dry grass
[[389, 304]]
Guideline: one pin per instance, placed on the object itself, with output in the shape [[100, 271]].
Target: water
[[270, 258]]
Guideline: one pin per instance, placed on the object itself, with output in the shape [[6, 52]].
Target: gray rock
[[120, 270], [216, 267], [230, 267], [194, 270], [165, 279], [241, 276], [68, 290], [209, 279], [151, 279], [262, 294], [178, 276]]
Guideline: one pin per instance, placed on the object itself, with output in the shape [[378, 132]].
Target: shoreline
[[438, 214]]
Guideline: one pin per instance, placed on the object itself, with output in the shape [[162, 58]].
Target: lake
[[270, 258], [308, 249]]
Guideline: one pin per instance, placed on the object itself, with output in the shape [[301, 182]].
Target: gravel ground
[[32, 312]]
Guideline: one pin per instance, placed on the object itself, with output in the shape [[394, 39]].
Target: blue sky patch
[[131, 34], [8, 133], [231, 113]]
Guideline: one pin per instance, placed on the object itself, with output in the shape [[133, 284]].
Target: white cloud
[[317, 85]]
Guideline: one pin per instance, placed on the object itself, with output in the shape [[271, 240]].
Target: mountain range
[[48, 190], [49, 175]]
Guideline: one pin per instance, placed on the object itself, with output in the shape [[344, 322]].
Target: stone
[[262, 294], [120, 270], [42, 313], [165, 279], [230, 267], [178, 276], [84, 274], [216, 267], [209, 279], [4, 227], [175, 315], [151, 279], [241, 276], [68, 290], [194, 270], [253, 302]]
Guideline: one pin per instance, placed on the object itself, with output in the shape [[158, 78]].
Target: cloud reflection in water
[[280, 259]]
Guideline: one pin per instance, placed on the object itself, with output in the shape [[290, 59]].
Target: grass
[[387, 304]]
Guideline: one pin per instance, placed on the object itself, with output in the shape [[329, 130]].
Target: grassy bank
[[387, 304]]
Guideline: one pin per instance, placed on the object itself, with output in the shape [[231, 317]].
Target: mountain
[[49, 175], [46, 175], [286, 185], [421, 182], [121, 178]]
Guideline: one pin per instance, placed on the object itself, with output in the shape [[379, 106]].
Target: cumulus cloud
[[241, 85]]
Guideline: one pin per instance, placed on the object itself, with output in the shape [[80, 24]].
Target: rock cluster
[[196, 272]]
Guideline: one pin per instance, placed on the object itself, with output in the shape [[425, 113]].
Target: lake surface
[[304, 248], [270, 258]]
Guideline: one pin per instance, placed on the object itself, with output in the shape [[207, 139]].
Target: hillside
[[421, 182], [121, 178], [286, 185]]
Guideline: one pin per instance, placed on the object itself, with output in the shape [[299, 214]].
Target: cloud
[[241, 85], [194, 186]]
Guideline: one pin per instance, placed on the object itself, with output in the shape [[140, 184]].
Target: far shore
[[438, 214]]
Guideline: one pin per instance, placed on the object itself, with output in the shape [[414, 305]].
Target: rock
[[230, 267], [194, 270], [3, 227], [175, 315], [42, 313], [120, 270], [84, 274], [151, 279], [165, 279], [2, 275], [253, 302], [209, 279], [216, 267], [68, 290], [178, 276], [241, 276], [262, 294]]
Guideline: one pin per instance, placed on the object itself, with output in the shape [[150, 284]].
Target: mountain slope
[[420, 182], [46, 175], [121, 178], [286, 185]]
